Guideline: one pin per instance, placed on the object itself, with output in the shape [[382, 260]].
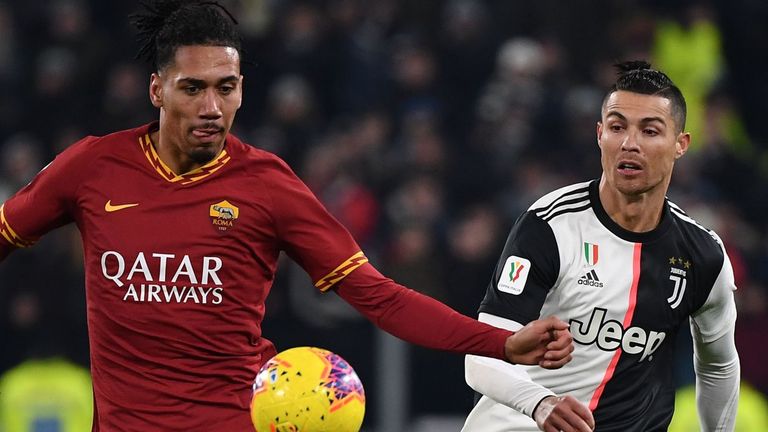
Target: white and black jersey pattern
[[625, 295]]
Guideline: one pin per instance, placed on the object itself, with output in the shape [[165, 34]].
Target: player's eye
[[227, 89], [616, 127], [650, 132], [191, 90]]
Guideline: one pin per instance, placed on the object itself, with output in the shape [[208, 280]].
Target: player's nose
[[211, 105], [630, 142]]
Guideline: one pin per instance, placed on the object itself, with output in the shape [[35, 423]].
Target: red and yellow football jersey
[[178, 268]]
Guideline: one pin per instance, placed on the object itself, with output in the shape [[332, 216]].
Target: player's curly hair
[[637, 76], [165, 25]]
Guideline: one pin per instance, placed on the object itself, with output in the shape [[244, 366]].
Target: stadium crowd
[[425, 127]]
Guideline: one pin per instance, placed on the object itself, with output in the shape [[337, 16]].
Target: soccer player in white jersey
[[628, 269]]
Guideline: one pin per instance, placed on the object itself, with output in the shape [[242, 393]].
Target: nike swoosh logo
[[113, 208]]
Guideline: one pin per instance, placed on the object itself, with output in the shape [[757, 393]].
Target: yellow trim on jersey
[[9, 234], [340, 272], [196, 174]]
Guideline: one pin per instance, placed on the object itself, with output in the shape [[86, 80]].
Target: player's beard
[[203, 155], [204, 152]]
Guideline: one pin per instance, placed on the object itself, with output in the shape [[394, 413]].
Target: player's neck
[[636, 213]]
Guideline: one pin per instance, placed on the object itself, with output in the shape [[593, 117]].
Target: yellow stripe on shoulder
[[9, 234], [340, 272]]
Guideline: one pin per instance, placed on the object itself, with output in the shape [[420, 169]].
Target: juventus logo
[[679, 291], [677, 275]]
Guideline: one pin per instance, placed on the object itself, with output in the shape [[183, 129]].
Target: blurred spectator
[[125, 100], [290, 126], [414, 259], [302, 48], [349, 200], [467, 44], [414, 77], [515, 107], [473, 243], [46, 395], [687, 46], [752, 414], [20, 159], [418, 200], [358, 49]]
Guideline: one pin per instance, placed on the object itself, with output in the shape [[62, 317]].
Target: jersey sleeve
[[47, 202], [718, 313], [309, 234], [527, 269], [417, 318], [716, 361]]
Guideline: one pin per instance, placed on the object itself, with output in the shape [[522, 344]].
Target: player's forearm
[[417, 318], [505, 383], [717, 383]]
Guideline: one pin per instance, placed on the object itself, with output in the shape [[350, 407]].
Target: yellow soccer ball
[[307, 389]]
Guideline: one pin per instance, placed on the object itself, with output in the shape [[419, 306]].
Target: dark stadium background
[[426, 127]]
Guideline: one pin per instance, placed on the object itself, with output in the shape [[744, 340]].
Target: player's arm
[[422, 320], [716, 361]]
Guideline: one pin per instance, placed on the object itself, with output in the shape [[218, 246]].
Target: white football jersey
[[625, 295]]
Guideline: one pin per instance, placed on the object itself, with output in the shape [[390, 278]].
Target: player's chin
[[632, 187], [203, 153]]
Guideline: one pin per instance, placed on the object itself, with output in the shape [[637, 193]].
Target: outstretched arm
[[422, 320]]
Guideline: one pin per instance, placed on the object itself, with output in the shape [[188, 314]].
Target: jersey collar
[[631, 236], [165, 172]]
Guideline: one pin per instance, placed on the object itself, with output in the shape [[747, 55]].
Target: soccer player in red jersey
[[182, 224]]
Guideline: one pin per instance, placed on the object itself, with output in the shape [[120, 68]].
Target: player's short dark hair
[[638, 77], [165, 25]]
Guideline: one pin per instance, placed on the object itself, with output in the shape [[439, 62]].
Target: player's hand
[[545, 342], [563, 414]]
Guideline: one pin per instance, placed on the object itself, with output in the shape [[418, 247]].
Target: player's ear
[[599, 134], [240, 86], [681, 144], [156, 90]]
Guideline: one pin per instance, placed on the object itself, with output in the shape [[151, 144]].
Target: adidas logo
[[590, 279]]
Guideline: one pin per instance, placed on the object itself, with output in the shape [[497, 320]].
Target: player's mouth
[[207, 133], [629, 168]]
